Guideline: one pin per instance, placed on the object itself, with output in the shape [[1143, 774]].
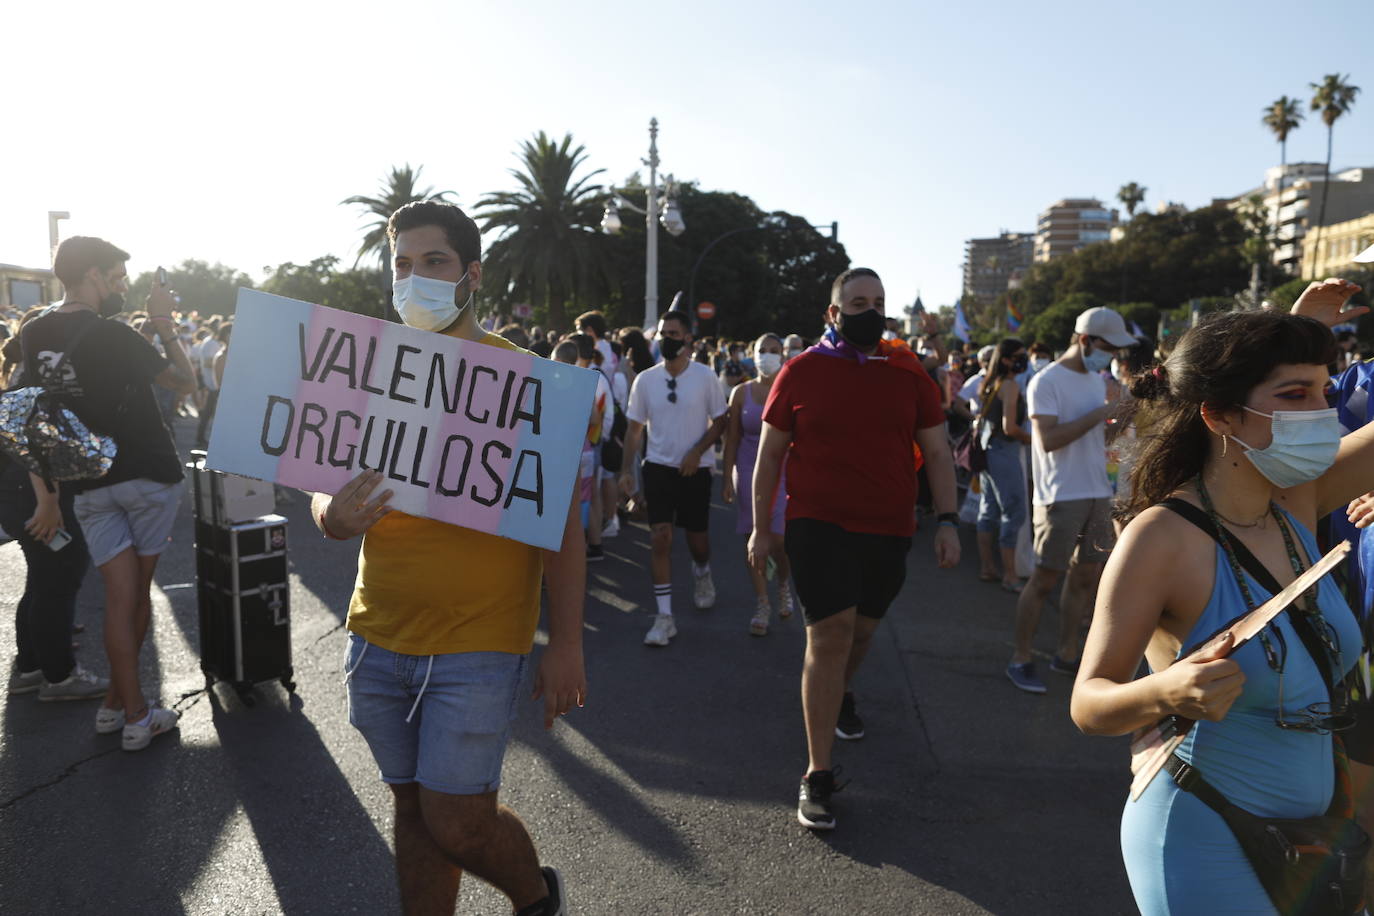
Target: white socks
[[702, 569], [663, 594]]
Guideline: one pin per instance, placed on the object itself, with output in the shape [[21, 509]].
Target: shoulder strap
[[1248, 561], [1301, 625], [1187, 778]]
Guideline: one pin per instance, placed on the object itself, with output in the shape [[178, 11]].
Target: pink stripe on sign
[[494, 445], [335, 348]]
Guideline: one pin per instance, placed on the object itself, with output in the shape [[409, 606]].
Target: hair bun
[[1152, 384]]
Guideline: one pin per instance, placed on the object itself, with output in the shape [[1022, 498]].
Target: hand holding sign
[[350, 513], [1206, 683]]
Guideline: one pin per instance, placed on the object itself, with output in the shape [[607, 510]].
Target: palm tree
[[396, 191], [1333, 97], [1282, 117], [546, 249], [1130, 196]]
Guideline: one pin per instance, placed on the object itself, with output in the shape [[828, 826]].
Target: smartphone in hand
[[59, 539], [162, 276]]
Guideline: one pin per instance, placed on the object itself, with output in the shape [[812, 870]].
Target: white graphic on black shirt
[[61, 379]]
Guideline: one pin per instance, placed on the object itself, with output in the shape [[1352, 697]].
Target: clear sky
[[230, 132]]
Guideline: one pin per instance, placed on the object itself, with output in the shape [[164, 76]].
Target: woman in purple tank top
[[742, 432]]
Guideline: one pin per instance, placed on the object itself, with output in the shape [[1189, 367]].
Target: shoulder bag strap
[[1301, 625]]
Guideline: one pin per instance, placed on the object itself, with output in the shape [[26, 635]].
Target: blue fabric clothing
[[1180, 856], [1355, 408], [1002, 500]]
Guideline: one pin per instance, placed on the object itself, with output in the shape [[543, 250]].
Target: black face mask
[[864, 329], [111, 305], [670, 348], [1020, 364]]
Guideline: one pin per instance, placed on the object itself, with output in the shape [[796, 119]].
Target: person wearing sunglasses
[[1242, 458], [682, 406]]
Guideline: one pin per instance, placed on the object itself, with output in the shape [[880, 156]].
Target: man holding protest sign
[[683, 406], [442, 622]]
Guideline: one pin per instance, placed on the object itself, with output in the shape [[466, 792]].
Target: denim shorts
[[135, 513], [442, 720]]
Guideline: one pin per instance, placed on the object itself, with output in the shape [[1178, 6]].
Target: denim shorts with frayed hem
[[441, 721], [135, 513]]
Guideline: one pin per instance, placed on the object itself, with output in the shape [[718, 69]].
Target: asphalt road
[[672, 792]]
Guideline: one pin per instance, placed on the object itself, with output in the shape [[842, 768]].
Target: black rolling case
[[243, 591]]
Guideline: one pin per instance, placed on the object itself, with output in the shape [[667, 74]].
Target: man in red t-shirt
[[845, 414]]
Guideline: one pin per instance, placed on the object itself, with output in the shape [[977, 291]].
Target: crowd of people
[[1067, 445]]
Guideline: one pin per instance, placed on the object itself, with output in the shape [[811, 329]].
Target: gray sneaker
[[79, 685], [24, 681], [704, 591]]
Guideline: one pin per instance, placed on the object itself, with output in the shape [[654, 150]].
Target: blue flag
[[961, 329]]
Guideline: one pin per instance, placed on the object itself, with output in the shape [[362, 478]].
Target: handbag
[[613, 447], [969, 453], [1311, 866], [47, 437]]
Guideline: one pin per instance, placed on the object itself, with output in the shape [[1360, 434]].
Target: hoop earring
[[1224, 443]]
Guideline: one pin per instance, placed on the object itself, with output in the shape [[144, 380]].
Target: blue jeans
[[1003, 497], [43, 618], [440, 720]]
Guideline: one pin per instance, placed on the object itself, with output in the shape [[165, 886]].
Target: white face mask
[[1303, 448], [426, 303], [794, 353], [769, 363], [1040, 362]]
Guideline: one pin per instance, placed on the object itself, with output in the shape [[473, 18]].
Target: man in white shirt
[[1067, 403], [682, 404]]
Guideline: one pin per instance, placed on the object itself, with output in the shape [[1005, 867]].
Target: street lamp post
[[658, 207], [53, 217]]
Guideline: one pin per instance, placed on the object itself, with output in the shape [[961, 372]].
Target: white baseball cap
[[1366, 256], [1107, 324]]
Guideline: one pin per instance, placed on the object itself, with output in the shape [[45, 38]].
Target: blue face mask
[[1303, 448], [1096, 360]]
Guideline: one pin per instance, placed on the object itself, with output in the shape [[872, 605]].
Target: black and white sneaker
[[849, 727], [813, 801], [595, 554]]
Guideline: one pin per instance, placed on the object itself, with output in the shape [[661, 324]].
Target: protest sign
[[466, 433]]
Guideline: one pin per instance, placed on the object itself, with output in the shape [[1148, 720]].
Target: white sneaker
[[612, 528], [79, 685], [704, 592], [108, 721], [664, 629], [136, 737]]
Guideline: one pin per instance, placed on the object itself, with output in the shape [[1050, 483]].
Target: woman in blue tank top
[[1244, 435]]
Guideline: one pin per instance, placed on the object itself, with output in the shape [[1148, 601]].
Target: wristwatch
[[948, 518]]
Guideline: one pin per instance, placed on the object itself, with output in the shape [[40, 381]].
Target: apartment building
[[1071, 224], [990, 263], [1291, 196], [1340, 242]]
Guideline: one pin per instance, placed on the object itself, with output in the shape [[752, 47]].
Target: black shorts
[[835, 569], [675, 499]]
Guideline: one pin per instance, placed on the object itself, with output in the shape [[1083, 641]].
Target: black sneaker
[[813, 801], [552, 905], [849, 727], [595, 554]]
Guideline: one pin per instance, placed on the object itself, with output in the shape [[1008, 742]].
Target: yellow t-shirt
[[430, 588]]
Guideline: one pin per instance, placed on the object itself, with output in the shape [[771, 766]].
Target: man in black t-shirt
[[126, 515]]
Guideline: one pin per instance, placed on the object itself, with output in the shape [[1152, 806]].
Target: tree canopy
[[203, 287]]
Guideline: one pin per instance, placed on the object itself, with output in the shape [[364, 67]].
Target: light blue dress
[[1181, 858]]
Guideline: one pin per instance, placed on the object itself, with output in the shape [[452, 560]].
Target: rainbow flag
[[1013, 316]]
